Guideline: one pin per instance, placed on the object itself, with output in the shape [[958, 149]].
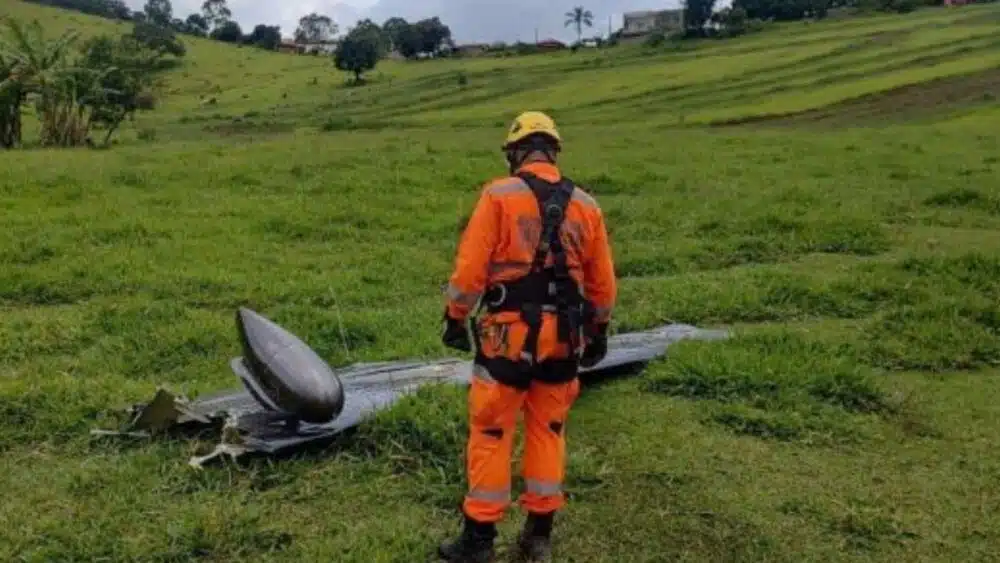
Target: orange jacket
[[499, 243]]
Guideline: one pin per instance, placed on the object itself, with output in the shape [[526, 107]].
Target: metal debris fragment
[[249, 426]]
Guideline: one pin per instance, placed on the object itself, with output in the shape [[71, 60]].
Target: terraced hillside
[[828, 190]]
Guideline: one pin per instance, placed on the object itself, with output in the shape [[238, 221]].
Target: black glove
[[455, 334], [597, 346]]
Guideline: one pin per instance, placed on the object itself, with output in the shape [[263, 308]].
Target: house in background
[[550, 45], [639, 24], [288, 47], [319, 48], [323, 47]]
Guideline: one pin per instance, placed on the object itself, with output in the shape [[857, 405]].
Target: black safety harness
[[545, 289]]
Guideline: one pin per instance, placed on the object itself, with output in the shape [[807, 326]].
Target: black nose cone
[[290, 373]]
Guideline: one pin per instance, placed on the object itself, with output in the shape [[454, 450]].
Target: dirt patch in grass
[[905, 102]]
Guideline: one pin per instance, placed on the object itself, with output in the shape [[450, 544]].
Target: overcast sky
[[469, 20]]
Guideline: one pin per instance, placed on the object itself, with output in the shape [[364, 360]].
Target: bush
[[521, 48], [160, 40], [656, 39], [903, 6], [146, 100]]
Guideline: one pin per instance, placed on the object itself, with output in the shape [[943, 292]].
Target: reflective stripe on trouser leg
[[545, 414], [493, 409]]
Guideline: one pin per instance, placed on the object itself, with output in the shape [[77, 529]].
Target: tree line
[[743, 15], [367, 42], [214, 21], [358, 51]]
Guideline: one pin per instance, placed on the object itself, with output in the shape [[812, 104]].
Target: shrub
[[656, 39], [146, 100]]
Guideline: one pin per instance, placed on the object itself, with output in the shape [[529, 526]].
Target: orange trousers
[[493, 412]]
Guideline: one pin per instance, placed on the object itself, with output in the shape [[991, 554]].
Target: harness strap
[[553, 199]]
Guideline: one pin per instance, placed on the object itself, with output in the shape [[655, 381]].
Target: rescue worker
[[530, 275]]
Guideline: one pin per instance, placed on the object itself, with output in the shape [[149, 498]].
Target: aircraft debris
[[291, 398]]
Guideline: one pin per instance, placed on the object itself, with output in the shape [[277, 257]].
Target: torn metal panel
[[250, 426]]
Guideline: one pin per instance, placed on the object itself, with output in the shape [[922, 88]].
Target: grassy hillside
[[829, 190]]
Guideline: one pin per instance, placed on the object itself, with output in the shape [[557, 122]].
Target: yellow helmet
[[531, 123]]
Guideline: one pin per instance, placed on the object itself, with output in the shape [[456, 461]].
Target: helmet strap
[[518, 153], [513, 162]]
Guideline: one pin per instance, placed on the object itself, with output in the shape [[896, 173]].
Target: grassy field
[[828, 190]]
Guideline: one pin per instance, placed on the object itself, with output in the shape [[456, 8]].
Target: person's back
[[515, 236], [547, 301]]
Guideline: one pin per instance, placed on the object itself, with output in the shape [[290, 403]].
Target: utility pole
[[536, 36]]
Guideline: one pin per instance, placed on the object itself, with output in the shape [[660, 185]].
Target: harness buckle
[[503, 295], [554, 212]]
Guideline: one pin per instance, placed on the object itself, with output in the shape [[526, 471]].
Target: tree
[[697, 13], [409, 41], [368, 26], [216, 13], [129, 74], [117, 9], [160, 40], [579, 17], [433, 35], [395, 30], [359, 51], [425, 36], [733, 21], [159, 12], [314, 28], [228, 32], [265, 36], [197, 25]]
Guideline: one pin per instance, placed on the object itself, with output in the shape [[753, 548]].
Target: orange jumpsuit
[[498, 245]]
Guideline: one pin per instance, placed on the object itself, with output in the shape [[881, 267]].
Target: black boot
[[535, 541], [475, 545]]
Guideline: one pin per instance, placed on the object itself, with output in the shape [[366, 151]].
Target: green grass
[[853, 247]]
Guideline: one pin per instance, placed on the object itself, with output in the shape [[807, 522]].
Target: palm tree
[[579, 17]]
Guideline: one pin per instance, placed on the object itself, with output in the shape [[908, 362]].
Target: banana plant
[[33, 60], [30, 66]]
